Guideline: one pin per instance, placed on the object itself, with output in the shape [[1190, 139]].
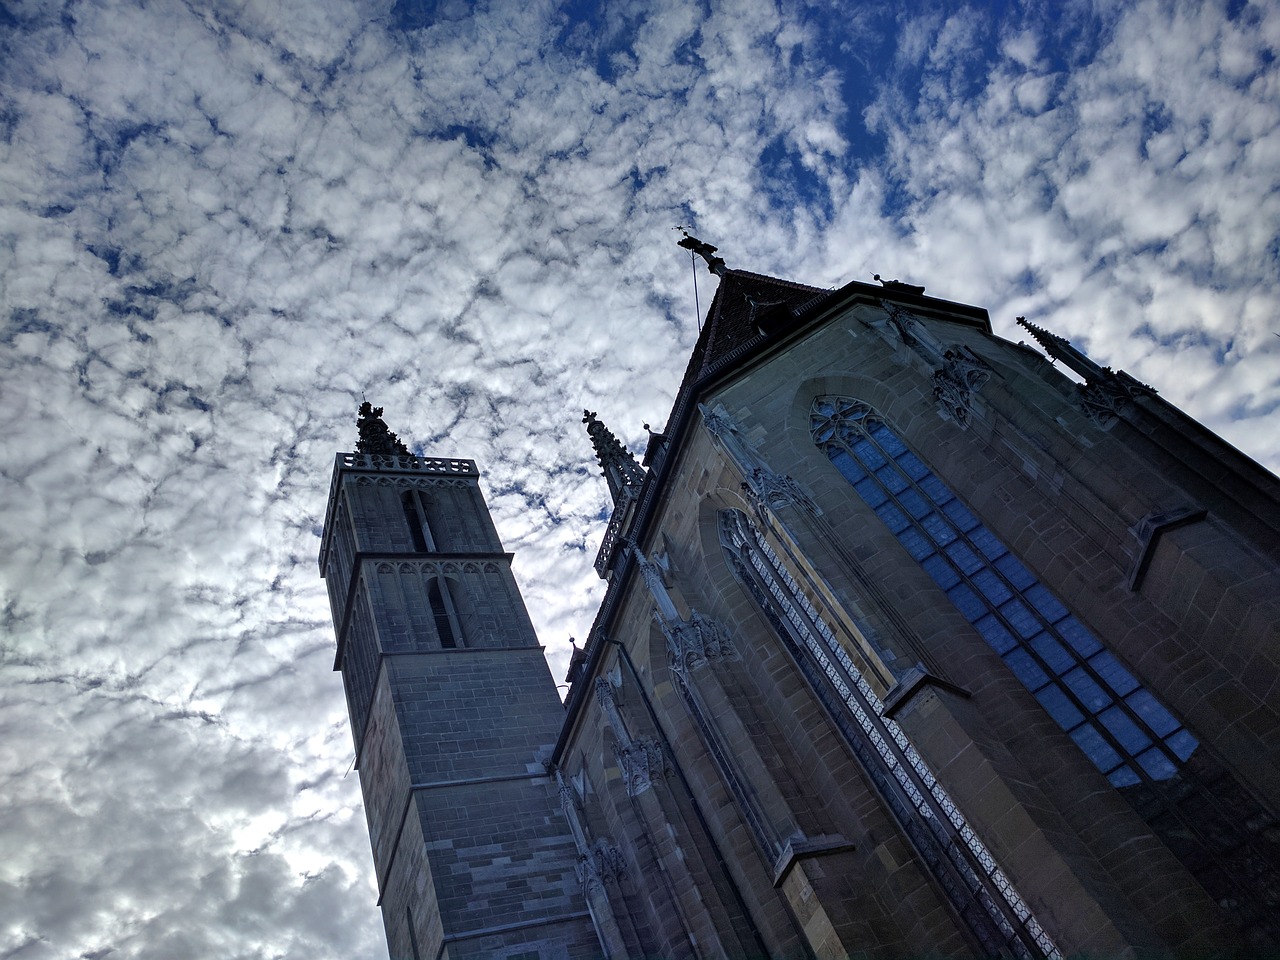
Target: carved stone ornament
[[767, 489], [962, 375], [602, 864], [697, 641], [1102, 399], [375, 438], [1101, 403], [718, 423], [902, 321], [642, 762]]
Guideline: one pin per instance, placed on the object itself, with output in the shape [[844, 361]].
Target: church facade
[[912, 645]]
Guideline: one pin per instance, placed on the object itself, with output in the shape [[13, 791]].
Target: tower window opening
[[415, 514], [444, 614]]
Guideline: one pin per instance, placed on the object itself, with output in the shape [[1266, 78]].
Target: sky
[[222, 224]]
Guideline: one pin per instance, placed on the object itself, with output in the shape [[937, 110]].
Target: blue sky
[[220, 224]]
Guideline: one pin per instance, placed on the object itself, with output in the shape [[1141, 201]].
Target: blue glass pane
[[938, 528], [986, 541], [1089, 693], [893, 518], [1124, 730], [994, 632], [1059, 707], [887, 439], [1026, 669], [960, 514], [891, 479], [964, 557], [1183, 744], [992, 587], [866, 451], [870, 491], [941, 571], [1095, 747], [1053, 653], [1113, 675], [914, 467], [850, 468], [1152, 712], [1020, 618], [913, 503], [1018, 575], [1124, 777], [1157, 765], [934, 489], [916, 544], [967, 602], [1078, 636], [1046, 603]]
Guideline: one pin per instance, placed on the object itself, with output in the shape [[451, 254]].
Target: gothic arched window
[[1120, 726], [965, 870], [1208, 820]]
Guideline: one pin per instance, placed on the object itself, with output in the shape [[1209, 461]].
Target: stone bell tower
[[453, 712]]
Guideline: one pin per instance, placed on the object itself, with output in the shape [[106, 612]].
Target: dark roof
[[742, 301], [748, 314]]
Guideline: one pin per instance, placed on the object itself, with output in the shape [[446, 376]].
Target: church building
[[916, 642]]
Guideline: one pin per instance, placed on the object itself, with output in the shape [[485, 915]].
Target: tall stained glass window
[[1125, 731], [993, 911]]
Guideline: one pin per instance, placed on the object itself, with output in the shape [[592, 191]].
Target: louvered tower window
[[442, 611], [415, 514]]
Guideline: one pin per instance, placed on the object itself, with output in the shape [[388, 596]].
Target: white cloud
[[292, 203]]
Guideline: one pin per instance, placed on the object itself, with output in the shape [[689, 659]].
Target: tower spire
[[374, 435], [618, 464], [1060, 348]]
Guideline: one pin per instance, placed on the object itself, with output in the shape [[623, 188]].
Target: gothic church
[[914, 643]]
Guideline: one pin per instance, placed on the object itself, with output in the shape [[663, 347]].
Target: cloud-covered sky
[[220, 223]]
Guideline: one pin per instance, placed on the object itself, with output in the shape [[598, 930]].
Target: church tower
[[453, 712]]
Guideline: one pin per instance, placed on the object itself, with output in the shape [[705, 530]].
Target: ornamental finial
[[618, 464], [374, 435], [705, 250]]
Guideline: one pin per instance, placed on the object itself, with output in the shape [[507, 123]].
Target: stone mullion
[[794, 518], [733, 752], [801, 908], [616, 944], [657, 831], [793, 524]]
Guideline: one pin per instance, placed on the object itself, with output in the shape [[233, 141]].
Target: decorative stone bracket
[[762, 485], [1102, 399], [961, 376], [697, 641], [642, 762], [602, 864]]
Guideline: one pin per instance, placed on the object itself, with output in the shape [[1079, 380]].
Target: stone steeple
[[374, 435], [621, 471], [1060, 348], [1105, 393]]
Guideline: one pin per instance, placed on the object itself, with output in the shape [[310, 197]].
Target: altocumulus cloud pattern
[[221, 223]]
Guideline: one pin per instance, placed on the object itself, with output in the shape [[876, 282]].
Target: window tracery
[[1125, 731], [977, 888]]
